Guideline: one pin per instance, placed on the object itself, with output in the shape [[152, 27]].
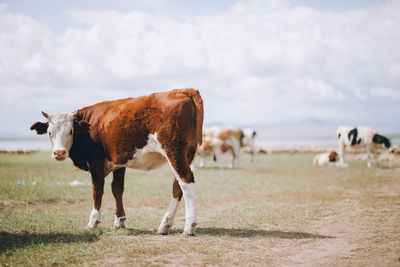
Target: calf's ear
[[40, 127], [81, 127]]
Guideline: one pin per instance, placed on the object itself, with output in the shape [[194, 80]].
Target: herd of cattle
[[148, 131]]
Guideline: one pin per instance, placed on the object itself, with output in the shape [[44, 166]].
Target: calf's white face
[[61, 128], [61, 132]]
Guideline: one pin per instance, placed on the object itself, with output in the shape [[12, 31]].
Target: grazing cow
[[329, 159], [140, 133], [210, 146], [218, 140], [360, 136], [249, 136]]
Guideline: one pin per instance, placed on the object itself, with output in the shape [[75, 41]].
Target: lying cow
[[219, 140], [140, 133], [326, 159], [360, 136]]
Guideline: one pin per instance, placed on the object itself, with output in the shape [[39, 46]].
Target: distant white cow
[[217, 141], [360, 136], [329, 159], [249, 136]]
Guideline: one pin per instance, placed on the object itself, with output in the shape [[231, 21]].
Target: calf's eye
[[70, 132]]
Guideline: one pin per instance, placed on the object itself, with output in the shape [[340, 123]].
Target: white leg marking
[[119, 222], [218, 155], [94, 218], [368, 156], [168, 218], [376, 159], [202, 161], [189, 196], [232, 164], [237, 159], [341, 151]]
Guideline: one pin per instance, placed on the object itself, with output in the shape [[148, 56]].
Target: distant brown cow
[[221, 139], [140, 133]]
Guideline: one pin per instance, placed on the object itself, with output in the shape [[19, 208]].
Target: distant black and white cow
[[360, 136]]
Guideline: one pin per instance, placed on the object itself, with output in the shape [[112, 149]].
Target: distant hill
[[313, 127]]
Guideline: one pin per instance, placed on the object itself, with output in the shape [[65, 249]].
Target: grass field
[[278, 211]]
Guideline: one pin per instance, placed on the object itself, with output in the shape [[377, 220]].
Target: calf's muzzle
[[60, 154]]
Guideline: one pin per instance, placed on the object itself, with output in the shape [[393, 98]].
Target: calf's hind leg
[[169, 216], [179, 162], [117, 187]]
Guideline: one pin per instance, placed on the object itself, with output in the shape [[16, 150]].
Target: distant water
[[276, 142], [283, 142], [44, 143]]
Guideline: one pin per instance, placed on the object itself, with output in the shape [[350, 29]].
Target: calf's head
[[61, 128], [333, 156], [380, 139]]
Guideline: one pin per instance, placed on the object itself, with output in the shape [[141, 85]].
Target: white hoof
[[94, 219], [189, 229], [92, 225], [119, 222], [191, 233], [163, 229]]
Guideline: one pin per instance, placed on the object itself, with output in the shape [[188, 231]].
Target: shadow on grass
[[255, 233], [388, 167], [132, 231], [12, 241], [240, 233]]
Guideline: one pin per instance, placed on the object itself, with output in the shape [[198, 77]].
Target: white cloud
[[386, 93], [259, 61], [3, 6], [259, 6]]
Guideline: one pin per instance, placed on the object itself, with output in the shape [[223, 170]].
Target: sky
[[254, 62]]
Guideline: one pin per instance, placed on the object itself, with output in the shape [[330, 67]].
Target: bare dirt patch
[[361, 235]]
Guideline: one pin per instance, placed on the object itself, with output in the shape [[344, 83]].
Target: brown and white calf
[[140, 133], [360, 136], [329, 159], [218, 140]]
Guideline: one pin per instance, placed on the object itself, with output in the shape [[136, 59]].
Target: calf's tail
[[198, 101]]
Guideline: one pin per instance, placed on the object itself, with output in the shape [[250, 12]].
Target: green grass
[[244, 214]]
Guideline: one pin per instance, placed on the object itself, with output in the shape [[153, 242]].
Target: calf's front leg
[[98, 188], [341, 152]]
